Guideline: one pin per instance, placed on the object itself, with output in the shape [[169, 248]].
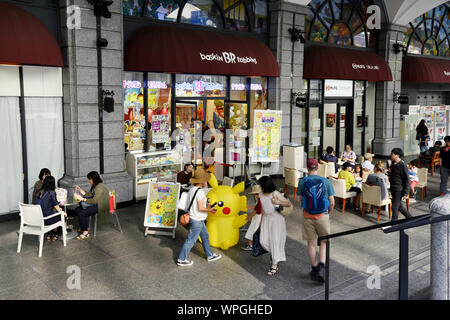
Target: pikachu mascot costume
[[223, 225]]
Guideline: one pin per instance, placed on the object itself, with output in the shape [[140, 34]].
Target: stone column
[[440, 249], [387, 119], [80, 82], [283, 16]]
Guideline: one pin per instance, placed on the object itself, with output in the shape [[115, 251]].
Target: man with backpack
[[317, 201]]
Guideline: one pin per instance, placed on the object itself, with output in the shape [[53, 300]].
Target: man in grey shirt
[[378, 178]]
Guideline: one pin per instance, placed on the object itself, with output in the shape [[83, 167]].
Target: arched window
[[341, 22], [429, 34], [236, 15]]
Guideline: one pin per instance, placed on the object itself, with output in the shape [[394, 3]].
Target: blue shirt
[[329, 191], [330, 158], [48, 202]]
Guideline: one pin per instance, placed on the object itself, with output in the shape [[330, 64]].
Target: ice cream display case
[[152, 166]]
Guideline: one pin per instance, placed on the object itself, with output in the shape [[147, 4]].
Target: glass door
[[315, 132], [189, 117], [330, 124], [237, 137]]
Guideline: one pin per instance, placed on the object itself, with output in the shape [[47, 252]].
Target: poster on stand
[[266, 135], [160, 128], [161, 208]]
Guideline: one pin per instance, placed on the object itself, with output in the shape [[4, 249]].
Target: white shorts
[[254, 225]]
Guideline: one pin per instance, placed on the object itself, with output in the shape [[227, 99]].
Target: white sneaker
[[185, 263], [214, 257], [412, 200]]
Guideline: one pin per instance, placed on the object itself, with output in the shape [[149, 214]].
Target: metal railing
[[388, 227]]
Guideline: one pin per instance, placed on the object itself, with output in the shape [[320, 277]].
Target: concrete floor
[[130, 266]]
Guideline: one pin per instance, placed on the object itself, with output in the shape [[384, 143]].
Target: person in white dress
[[273, 224]]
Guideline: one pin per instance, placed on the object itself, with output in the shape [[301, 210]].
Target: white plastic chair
[[340, 190], [291, 178], [322, 170], [329, 169], [227, 181], [422, 174], [371, 194], [32, 222]]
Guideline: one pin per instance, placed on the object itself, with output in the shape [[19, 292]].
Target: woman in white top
[[197, 216], [348, 154], [273, 224]]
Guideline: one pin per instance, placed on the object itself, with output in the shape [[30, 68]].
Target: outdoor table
[[71, 234]]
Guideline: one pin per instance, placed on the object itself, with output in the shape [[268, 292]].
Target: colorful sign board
[[161, 208], [160, 128], [266, 135]]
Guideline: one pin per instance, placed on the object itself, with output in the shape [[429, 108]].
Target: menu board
[[266, 135], [160, 128], [161, 208]]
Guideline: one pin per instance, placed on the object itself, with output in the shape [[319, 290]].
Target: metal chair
[[112, 211], [433, 162]]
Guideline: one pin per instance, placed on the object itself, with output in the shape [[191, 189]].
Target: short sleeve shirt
[[349, 178], [194, 213], [445, 156]]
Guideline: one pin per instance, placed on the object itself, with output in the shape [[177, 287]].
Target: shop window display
[[200, 86], [134, 118], [258, 96], [260, 13], [429, 34], [339, 21]]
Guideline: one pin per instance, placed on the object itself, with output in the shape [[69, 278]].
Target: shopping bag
[[257, 249]]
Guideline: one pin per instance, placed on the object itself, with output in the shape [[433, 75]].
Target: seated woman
[[184, 176], [92, 202], [38, 185], [348, 154], [350, 182], [330, 157], [46, 198]]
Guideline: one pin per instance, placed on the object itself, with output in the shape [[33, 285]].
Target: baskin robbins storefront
[[193, 76]]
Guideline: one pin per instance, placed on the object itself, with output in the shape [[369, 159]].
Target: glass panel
[[319, 32], [358, 121], [441, 35], [303, 115], [359, 38], [260, 16], [372, 34], [325, 14], [132, 7], [314, 133], [238, 126], [363, 5], [215, 113], [202, 12], [347, 10], [370, 115], [133, 105], [11, 161], [430, 48], [188, 121], [308, 20], [159, 115], [258, 96], [193, 85], [355, 20], [428, 26], [420, 32], [444, 49], [315, 92], [415, 46], [44, 124], [238, 90], [329, 126], [336, 4], [340, 35], [166, 10], [235, 15]]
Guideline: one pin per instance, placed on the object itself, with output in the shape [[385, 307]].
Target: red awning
[[175, 49], [323, 62], [24, 40], [419, 69]]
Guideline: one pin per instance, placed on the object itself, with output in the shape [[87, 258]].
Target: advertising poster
[[267, 135], [160, 128], [161, 209], [331, 120]]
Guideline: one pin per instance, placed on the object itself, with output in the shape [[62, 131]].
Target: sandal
[[49, 237], [272, 271], [55, 237], [83, 236]]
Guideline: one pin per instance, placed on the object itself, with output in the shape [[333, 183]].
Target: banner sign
[[266, 135], [338, 88]]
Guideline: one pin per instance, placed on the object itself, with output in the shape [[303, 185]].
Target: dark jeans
[[445, 173], [84, 214], [398, 205]]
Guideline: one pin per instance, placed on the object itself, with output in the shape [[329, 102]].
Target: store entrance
[[338, 128]]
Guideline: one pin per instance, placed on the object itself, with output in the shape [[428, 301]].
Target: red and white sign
[[338, 88]]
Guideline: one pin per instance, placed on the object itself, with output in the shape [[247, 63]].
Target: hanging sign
[[160, 128], [161, 208], [266, 135]]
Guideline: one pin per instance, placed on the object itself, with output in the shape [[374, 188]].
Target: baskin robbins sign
[[227, 57]]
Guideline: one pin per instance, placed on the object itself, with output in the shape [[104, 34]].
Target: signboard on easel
[[161, 209]]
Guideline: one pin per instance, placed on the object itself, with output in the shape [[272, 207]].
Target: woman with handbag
[[273, 223], [198, 212]]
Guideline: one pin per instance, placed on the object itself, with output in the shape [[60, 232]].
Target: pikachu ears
[[240, 187], [213, 181]]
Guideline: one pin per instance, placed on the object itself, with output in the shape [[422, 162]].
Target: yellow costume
[[223, 225]]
